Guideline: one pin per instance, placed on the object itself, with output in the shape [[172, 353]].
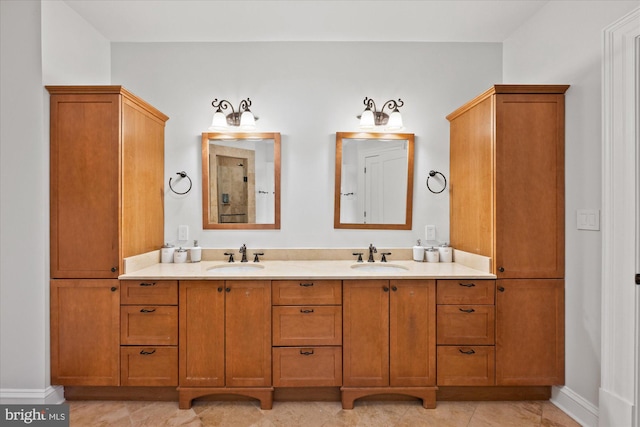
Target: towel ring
[[182, 174], [431, 175]]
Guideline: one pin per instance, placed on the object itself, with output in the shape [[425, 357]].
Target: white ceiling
[[305, 20]]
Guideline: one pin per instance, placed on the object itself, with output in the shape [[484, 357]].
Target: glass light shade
[[219, 121], [395, 121], [367, 120], [247, 121]]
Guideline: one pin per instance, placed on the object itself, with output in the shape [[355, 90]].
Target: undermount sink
[[379, 267], [235, 268]]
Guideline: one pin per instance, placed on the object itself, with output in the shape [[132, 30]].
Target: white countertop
[[311, 269]]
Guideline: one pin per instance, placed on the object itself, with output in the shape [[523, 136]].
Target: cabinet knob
[[385, 288], [220, 289], [500, 288], [228, 289], [394, 288], [501, 269], [114, 269], [113, 289]]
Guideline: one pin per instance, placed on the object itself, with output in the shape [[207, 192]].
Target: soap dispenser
[[418, 252], [195, 252]]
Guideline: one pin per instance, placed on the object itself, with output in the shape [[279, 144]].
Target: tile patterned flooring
[[318, 414]]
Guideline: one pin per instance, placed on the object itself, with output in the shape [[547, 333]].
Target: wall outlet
[[183, 232], [430, 232]]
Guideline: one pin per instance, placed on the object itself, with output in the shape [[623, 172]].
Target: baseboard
[[52, 395], [575, 406]]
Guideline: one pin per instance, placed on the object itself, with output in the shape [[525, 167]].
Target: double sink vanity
[[307, 324]]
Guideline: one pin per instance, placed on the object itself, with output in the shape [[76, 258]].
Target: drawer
[[465, 324], [159, 292], [306, 292], [307, 366], [465, 292], [307, 325], [149, 366], [466, 365], [148, 325]]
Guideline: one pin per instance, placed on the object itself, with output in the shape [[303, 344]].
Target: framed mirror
[[240, 180], [374, 180]]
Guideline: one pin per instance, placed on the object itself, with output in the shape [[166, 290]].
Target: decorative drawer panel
[[465, 292], [307, 325], [149, 366], [465, 324], [306, 292], [148, 325], [466, 365], [307, 366], [158, 292]]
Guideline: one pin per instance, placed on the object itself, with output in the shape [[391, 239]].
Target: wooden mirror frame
[[409, 137], [206, 138]]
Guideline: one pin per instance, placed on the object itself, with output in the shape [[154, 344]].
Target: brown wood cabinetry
[[507, 203], [307, 333], [225, 339], [389, 339], [85, 332], [149, 333], [106, 203]]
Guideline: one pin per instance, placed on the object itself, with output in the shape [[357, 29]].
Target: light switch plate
[[588, 219], [183, 232], [430, 232]]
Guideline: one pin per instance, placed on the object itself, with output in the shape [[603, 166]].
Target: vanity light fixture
[[243, 118], [370, 117]]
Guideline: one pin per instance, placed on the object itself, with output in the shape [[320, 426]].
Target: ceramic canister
[[180, 256], [432, 255], [446, 253], [166, 253]]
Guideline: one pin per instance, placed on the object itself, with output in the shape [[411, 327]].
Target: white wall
[[562, 44], [24, 179], [307, 91]]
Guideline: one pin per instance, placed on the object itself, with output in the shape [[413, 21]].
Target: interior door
[[385, 187]]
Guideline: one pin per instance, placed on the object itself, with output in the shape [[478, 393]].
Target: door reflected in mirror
[[240, 180], [374, 180]]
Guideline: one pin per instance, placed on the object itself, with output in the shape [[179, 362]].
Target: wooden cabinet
[[530, 332], [307, 333], [389, 339], [85, 332], [225, 339], [107, 179], [507, 203], [466, 332], [149, 333]]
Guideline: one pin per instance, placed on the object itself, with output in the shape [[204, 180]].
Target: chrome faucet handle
[[230, 256], [255, 256], [384, 256], [359, 256]]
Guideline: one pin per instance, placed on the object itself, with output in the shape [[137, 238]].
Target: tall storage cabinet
[[507, 203], [106, 203]]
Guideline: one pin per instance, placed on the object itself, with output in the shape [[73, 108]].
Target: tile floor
[[318, 414]]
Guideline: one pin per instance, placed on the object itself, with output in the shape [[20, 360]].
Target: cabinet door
[[412, 325], [529, 186], [365, 333], [248, 333], [85, 332], [530, 332], [201, 359], [85, 186]]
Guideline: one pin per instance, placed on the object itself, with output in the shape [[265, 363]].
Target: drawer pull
[[306, 310], [146, 353], [467, 310], [469, 351], [467, 285], [306, 352], [306, 285], [147, 310], [148, 284]]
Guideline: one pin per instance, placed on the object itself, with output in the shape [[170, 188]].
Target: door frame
[[618, 394]]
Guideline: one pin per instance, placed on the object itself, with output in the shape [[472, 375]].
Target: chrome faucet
[[372, 250], [243, 251]]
